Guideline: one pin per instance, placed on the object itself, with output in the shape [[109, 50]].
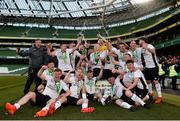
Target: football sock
[[102, 100], [57, 104], [135, 98], [17, 106], [158, 89], [84, 95], [125, 105], [150, 88], [84, 105]]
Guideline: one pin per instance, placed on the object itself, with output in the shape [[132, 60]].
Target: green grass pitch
[[11, 89]]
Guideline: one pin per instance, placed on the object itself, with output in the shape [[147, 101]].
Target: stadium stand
[[63, 33]]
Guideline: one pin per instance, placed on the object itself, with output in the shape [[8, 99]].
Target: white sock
[[125, 105], [135, 98], [102, 101], [57, 104], [84, 105], [158, 89], [150, 88], [17, 106], [147, 96], [84, 95]]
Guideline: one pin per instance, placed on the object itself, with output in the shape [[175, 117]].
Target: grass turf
[[11, 89]]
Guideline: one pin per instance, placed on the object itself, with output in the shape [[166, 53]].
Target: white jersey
[[136, 55], [90, 84], [121, 55], [109, 65], [96, 63], [149, 58], [73, 56], [53, 88], [130, 76], [48, 72], [75, 87], [64, 62], [118, 91]]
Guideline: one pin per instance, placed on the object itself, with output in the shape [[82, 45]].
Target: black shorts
[[151, 73], [127, 99], [41, 100], [72, 100], [141, 92], [90, 97]]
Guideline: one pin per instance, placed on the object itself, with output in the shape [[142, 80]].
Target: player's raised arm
[[40, 73], [49, 51], [78, 44], [66, 79], [100, 73], [151, 49]]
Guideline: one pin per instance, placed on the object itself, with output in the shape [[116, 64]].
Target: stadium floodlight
[[140, 1]]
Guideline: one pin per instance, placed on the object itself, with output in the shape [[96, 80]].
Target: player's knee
[[63, 99], [99, 94], [128, 93], [31, 94], [117, 102]]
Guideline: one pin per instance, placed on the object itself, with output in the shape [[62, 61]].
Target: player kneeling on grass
[[51, 91], [134, 88], [77, 88], [90, 84], [135, 81], [124, 97]]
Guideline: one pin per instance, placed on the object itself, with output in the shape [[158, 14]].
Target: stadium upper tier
[[45, 12], [7, 31]]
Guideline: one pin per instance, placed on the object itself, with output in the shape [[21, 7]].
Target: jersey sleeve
[[44, 72], [125, 77], [64, 86], [77, 53], [116, 51], [117, 81], [69, 50], [48, 78], [57, 51], [137, 74], [103, 55], [150, 46]]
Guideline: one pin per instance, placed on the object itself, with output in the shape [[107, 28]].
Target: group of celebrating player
[[129, 70]]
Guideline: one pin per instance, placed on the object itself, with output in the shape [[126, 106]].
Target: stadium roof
[[60, 8], [76, 13]]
